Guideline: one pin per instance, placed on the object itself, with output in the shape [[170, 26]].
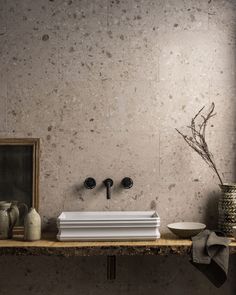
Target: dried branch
[[198, 139]]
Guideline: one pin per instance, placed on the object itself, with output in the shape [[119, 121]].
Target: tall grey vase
[[227, 208]]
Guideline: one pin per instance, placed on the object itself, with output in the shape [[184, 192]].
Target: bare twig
[[198, 139]]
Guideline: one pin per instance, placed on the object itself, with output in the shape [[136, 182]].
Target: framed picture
[[19, 174]]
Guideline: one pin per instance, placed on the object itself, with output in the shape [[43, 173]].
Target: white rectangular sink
[[108, 226]]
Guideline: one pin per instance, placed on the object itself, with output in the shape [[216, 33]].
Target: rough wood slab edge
[[98, 251], [94, 251], [50, 247]]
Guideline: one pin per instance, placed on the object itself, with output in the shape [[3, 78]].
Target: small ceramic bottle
[[32, 225]]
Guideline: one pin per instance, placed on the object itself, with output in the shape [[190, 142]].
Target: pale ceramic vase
[[227, 208], [32, 225], [9, 214]]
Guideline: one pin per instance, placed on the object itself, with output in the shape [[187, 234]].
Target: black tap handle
[[90, 183], [127, 182], [108, 183]]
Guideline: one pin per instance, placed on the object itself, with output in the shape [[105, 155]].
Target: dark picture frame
[[19, 172]]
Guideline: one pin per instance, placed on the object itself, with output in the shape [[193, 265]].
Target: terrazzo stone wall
[[104, 84]]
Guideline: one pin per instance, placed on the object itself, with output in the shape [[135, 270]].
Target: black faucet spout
[[108, 184]]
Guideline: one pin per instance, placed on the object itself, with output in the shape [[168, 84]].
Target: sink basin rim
[[91, 216]]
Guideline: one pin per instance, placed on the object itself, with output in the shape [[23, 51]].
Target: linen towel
[[210, 255]]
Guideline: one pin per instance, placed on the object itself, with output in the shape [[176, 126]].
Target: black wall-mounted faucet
[[108, 184]]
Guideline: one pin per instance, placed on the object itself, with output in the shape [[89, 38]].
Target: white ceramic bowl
[[186, 229]]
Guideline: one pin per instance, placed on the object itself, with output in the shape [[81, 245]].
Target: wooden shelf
[[50, 247]]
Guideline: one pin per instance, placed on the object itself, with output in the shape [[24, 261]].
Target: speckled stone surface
[[87, 275], [104, 84]]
